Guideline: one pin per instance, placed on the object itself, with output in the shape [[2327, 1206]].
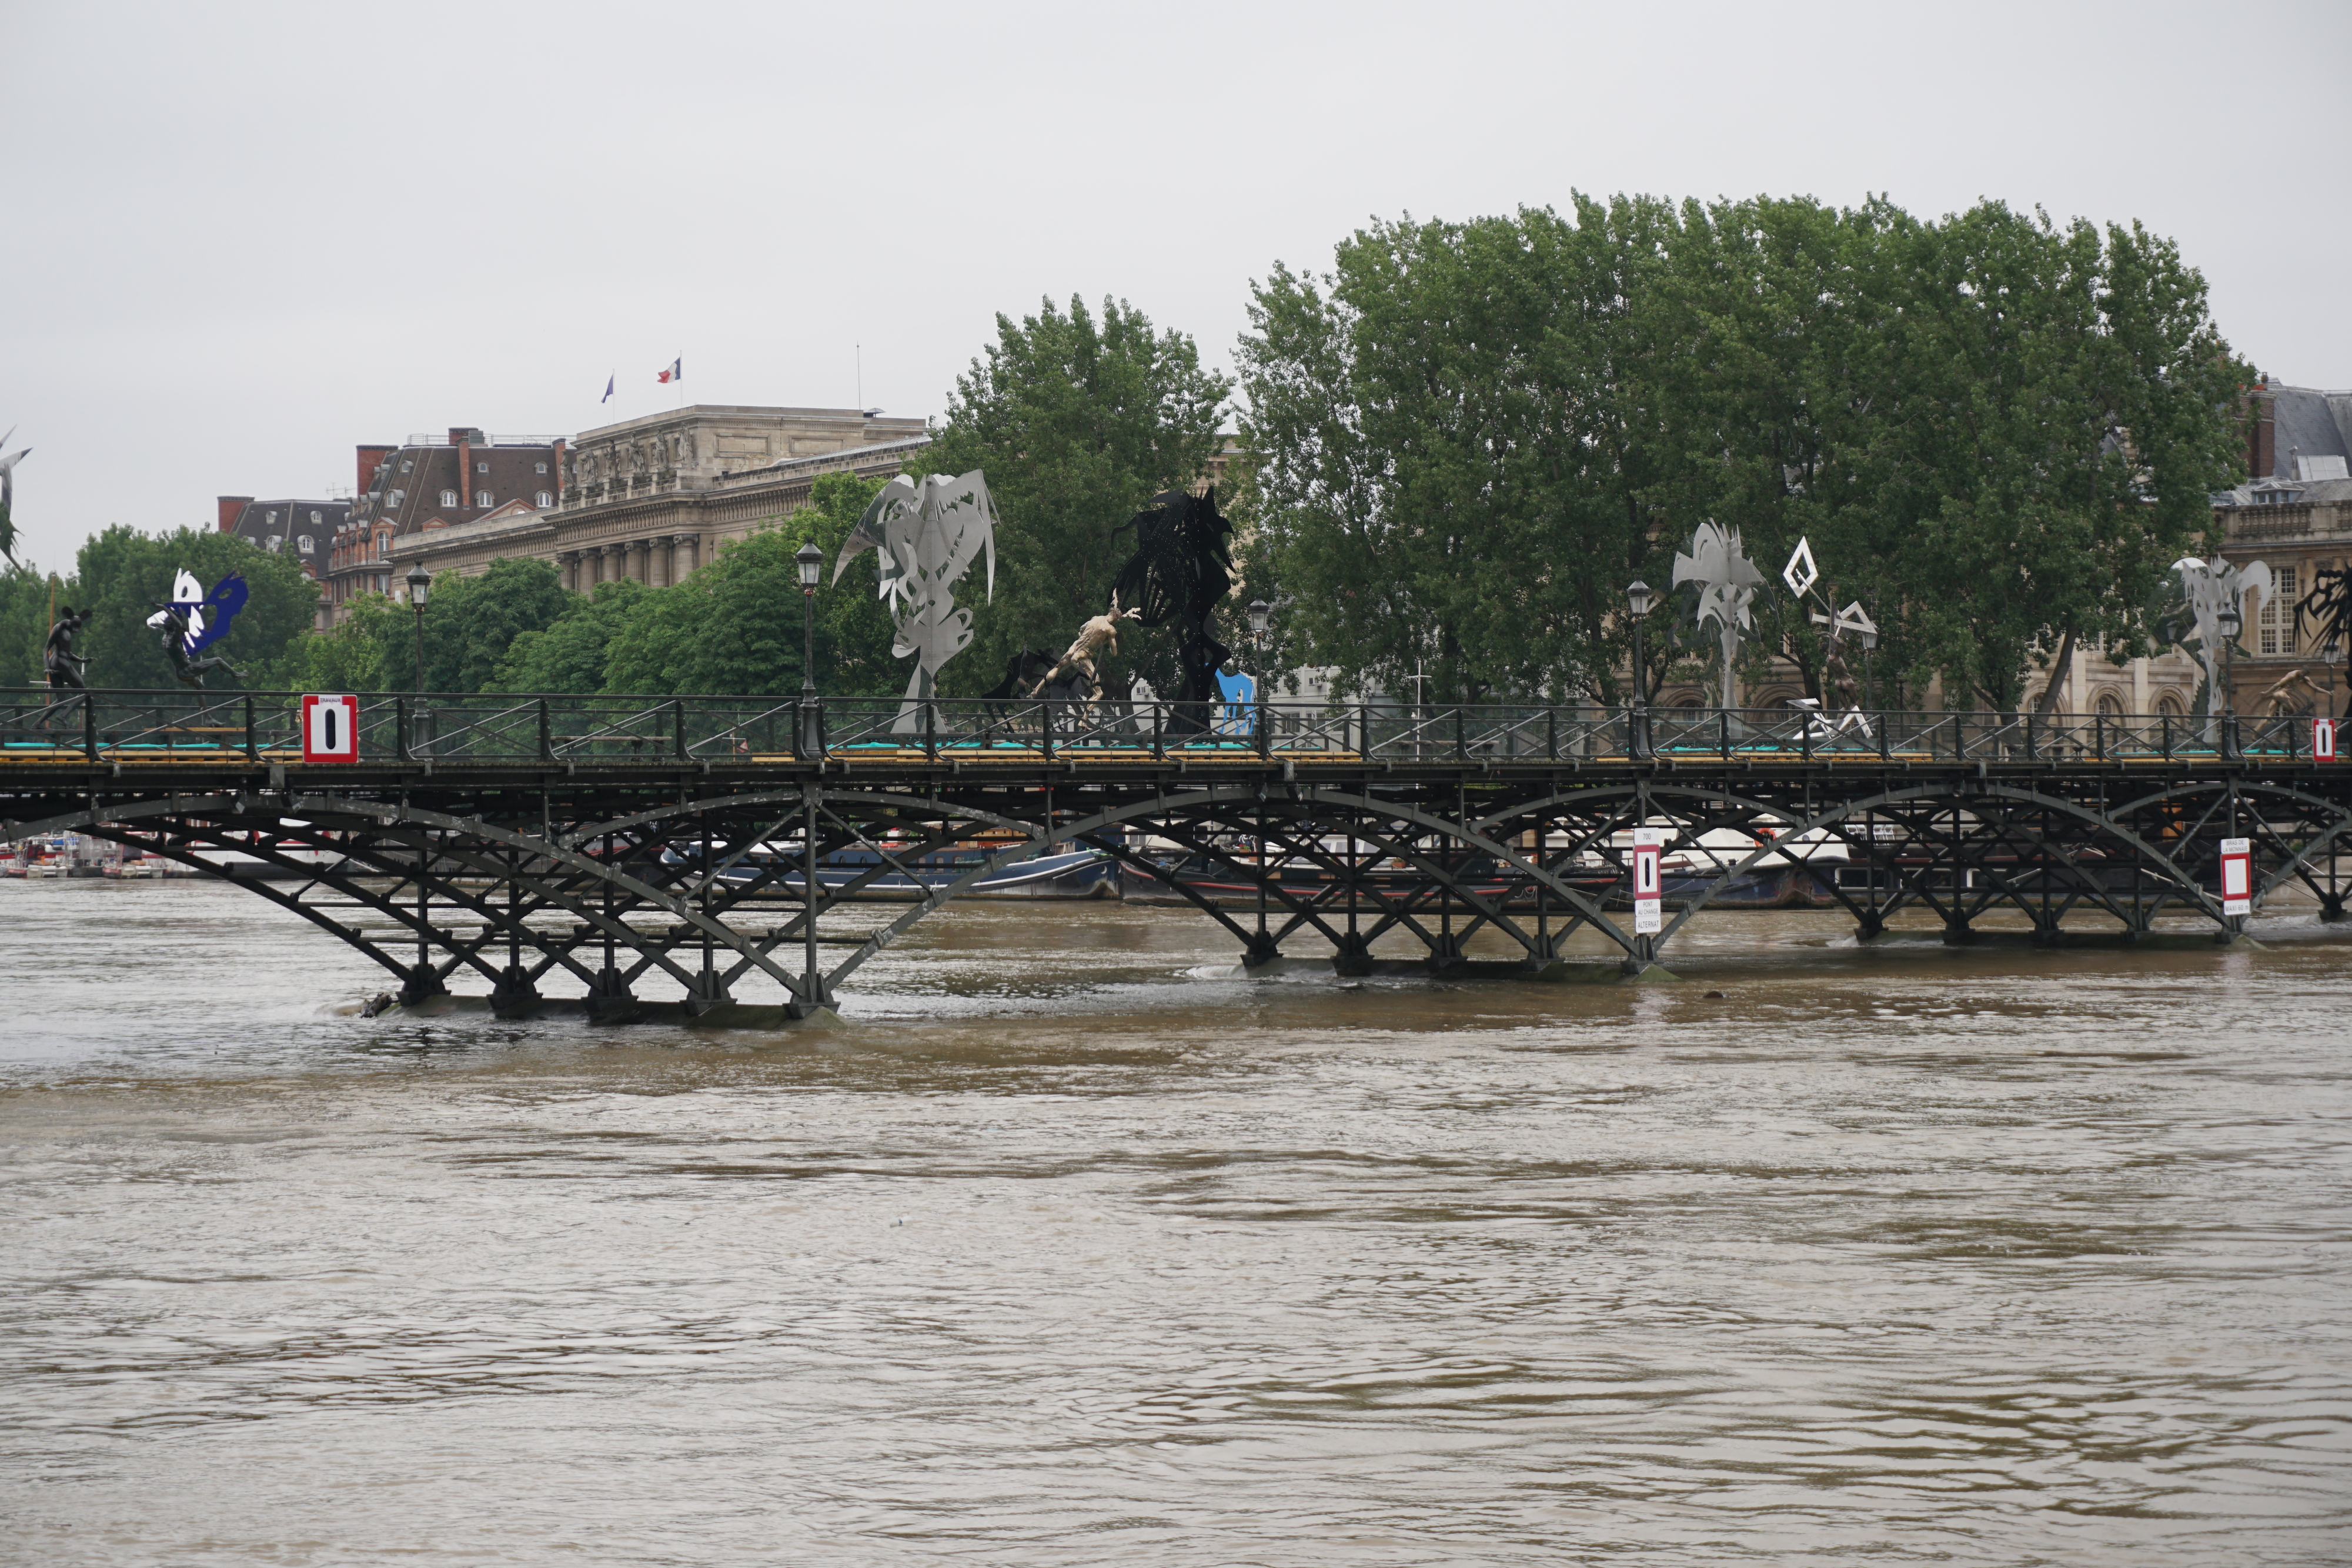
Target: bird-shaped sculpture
[[2208, 588], [193, 621]]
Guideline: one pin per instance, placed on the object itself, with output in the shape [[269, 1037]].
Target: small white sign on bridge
[[330, 728], [1649, 890], [2237, 877]]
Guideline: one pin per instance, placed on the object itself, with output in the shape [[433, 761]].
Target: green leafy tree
[[1076, 426], [470, 623], [731, 628], [350, 657], [569, 655], [123, 574], [24, 598]]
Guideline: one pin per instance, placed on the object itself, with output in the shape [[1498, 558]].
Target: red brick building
[[426, 484]]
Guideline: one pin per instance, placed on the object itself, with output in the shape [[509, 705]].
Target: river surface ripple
[[1070, 1247]]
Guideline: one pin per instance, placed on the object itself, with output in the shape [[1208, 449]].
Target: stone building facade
[[2294, 515], [653, 498]]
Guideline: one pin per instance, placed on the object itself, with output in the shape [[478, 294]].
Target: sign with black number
[[1649, 890], [330, 728]]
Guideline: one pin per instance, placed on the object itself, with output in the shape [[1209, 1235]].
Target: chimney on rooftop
[[372, 458], [232, 508]]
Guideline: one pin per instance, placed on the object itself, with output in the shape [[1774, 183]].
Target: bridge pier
[[1262, 950], [422, 984], [1353, 959], [514, 997], [708, 991], [609, 998]]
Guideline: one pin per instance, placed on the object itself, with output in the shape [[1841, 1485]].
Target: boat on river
[[902, 877]]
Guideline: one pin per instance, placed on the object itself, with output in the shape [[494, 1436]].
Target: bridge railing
[[128, 727]]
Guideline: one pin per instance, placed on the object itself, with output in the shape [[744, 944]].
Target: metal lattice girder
[[617, 870]]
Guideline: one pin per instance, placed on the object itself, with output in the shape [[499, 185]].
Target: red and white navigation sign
[[2322, 740], [2237, 877], [330, 728], [1649, 894]]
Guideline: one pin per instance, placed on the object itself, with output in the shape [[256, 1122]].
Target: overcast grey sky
[[241, 238]]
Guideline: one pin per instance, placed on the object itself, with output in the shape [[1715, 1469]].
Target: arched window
[[2170, 706], [448, 497], [544, 499], [2109, 707], [484, 499]]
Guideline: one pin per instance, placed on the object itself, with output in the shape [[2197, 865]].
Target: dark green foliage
[[569, 655], [24, 625], [1076, 427], [732, 628], [1469, 437]]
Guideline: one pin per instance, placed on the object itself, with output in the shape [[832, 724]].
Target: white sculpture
[[2209, 588], [928, 536], [1727, 582]]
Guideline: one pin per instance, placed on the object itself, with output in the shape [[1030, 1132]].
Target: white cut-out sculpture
[[928, 534], [1727, 581], [2208, 588]]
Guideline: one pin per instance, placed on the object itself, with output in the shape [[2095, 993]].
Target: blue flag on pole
[[608, 388]]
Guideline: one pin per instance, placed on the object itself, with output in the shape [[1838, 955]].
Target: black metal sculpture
[[64, 666], [1181, 568], [2325, 614]]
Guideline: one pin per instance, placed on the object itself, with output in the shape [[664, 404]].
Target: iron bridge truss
[[529, 846]]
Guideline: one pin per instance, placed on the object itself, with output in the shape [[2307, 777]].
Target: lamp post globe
[[810, 561]]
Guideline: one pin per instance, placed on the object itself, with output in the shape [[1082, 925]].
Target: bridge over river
[[647, 846]]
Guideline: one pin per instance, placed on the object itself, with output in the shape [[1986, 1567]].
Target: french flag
[[676, 371]]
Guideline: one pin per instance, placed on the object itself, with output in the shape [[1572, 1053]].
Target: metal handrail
[[125, 726]]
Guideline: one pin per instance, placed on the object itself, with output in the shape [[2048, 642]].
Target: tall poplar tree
[[1077, 423]]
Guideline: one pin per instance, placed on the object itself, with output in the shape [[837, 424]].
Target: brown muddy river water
[[1070, 1247]]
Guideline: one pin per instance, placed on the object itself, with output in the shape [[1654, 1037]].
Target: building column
[[567, 567], [657, 553], [641, 560], [615, 562], [685, 553]]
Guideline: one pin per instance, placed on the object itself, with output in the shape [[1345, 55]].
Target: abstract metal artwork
[[1727, 582], [1181, 571], [8, 494], [1842, 692], [2212, 593], [928, 536], [2326, 616], [192, 621]]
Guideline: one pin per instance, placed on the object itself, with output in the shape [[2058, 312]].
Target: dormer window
[[545, 500], [481, 467], [448, 497], [406, 465], [543, 468], [303, 544], [314, 520], [484, 499]]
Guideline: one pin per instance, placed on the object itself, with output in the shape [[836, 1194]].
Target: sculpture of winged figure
[[192, 621], [1727, 581], [1180, 569], [928, 535], [8, 494], [2326, 616], [2207, 589]]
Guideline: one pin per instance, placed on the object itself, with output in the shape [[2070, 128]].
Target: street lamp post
[[2229, 620], [420, 585], [811, 561], [1638, 598]]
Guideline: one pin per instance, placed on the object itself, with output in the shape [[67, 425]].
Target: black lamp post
[[1260, 615], [1638, 598], [420, 586], [2229, 620], [811, 561]]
